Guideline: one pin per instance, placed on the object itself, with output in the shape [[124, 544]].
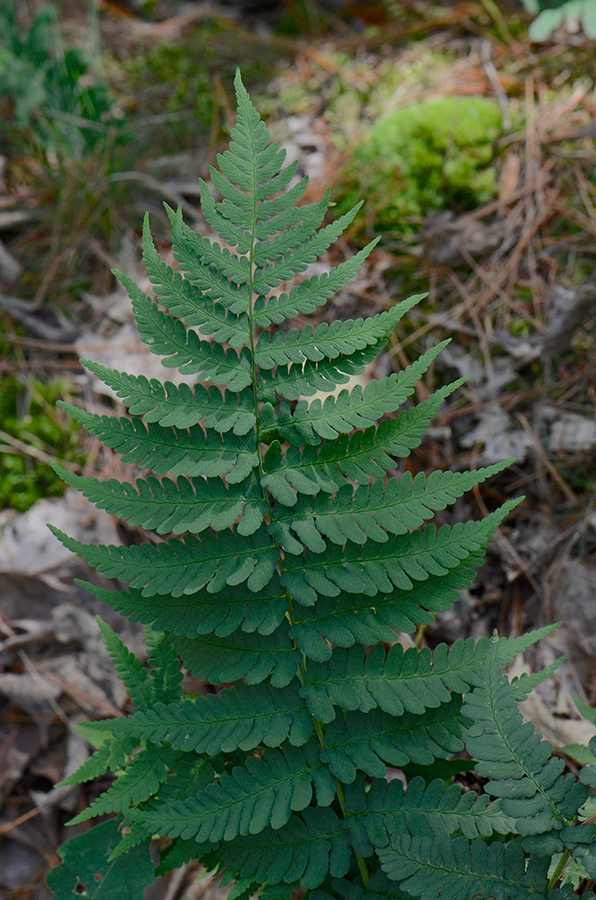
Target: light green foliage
[[423, 157], [572, 14], [299, 560], [28, 414]]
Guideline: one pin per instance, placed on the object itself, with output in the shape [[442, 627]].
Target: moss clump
[[426, 156], [28, 414]]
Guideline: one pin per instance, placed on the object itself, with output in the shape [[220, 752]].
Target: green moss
[[425, 156], [29, 415]]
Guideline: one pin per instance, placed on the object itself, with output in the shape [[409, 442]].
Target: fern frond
[[350, 618], [387, 809], [201, 612], [428, 867], [242, 717], [296, 382], [302, 556], [376, 512], [111, 756], [254, 656], [326, 341], [398, 681], [129, 669], [516, 759], [265, 791], [180, 405], [305, 850], [374, 568], [166, 675], [174, 507], [372, 742], [358, 408], [319, 362], [97, 764], [182, 348], [179, 567], [140, 780], [311, 293], [172, 450], [359, 457]]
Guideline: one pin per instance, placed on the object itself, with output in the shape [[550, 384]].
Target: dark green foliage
[[86, 871], [294, 555]]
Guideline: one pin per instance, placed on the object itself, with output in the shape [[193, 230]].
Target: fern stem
[[290, 614], [558, 870], [359, 859]]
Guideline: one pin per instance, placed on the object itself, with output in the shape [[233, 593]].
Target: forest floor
[[510, 282]]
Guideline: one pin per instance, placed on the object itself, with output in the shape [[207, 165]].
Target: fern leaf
[[428, 867], [296, 382], [171, 450], [170, 507], [185, 300], [111, 756], [374, 568], [363, 455], [311, 293], [328, 341], [97, 764], [207, 264], [376, 512], [522, 686], [140, 780], [398, 681], [178, 567], [167, 337], [192, 774], [251, 163], [201, 612], [291, 225], [299, 258], [370, 743], [254, 656], [233, 234], [516, 759], [356, 409], [128, 667], [387, 809], [180, 405], [320, 360], [306, 849], [350, 618], [166, 675], [242, 717], [265, 791]]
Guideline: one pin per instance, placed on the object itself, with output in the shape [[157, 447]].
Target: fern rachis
[[290, 560]]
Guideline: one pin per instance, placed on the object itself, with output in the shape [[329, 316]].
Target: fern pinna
[[294, 560]]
